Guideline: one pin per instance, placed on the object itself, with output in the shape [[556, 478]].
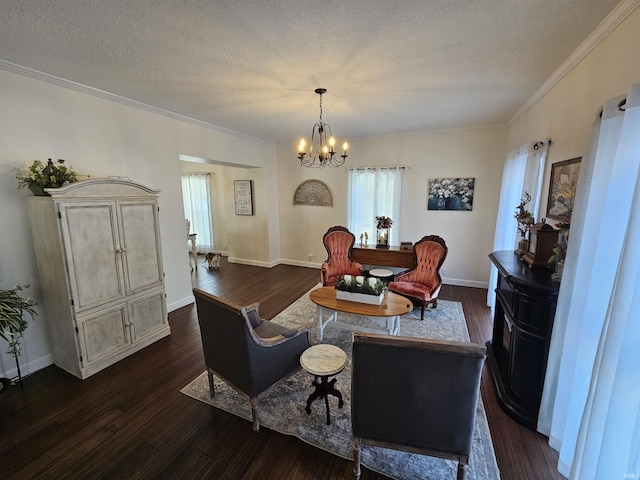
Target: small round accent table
[[382, 274], [323, 361]]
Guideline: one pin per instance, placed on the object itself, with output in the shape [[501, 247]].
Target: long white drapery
[[374, 192], [523, 172], [198, 207], [591, 400]]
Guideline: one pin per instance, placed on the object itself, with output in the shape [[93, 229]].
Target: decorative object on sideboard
[[562, 188], [314, 193], [243, 197], [542, 238], [560, 248], [383, 227], [364, 240], [324, 153], [38, 176], [451, 194], [525, 220], [406, 245], [13, 308]]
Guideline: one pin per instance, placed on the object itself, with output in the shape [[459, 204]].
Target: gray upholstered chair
[[248, 353], [422, 398]]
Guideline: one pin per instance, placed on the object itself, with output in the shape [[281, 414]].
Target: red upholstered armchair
[[338, 241], [423, 282]]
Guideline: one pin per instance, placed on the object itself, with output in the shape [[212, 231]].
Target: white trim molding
[[608, 25], [112, 97]]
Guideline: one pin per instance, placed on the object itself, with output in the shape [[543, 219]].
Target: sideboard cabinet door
[[99, 257]]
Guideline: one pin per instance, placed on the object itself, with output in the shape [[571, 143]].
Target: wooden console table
[[388, 257]]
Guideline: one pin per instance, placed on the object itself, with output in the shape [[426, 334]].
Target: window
[[196, 196], [374, 192]]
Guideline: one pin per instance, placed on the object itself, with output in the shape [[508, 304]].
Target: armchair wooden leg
[[357, 445], [424, 303], [254, 413], [462, 469]]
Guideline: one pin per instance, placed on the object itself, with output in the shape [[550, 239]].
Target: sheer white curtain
[[198, 207], [374, 192], [591, 400], [523, 172]]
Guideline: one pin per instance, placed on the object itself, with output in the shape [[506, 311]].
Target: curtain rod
[[399, 167], [622, 106], [541, 144]]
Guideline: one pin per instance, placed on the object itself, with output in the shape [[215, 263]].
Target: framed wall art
[[562, 188], [313, 192], [451, 194], [243, 196]]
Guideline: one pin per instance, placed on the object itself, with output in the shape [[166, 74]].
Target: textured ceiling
[[252, 66]]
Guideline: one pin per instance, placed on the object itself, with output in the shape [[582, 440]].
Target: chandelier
[[324, 153]]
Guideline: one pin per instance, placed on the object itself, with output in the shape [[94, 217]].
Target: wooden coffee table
[[391, 308]]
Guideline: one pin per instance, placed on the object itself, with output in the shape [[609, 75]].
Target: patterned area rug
[[283, 410]]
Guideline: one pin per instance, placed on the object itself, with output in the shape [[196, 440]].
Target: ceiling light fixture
[[324, 154]]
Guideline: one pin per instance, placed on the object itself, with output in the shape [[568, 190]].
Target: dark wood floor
[[131, 422]]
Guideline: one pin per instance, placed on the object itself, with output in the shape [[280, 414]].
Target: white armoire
[[97, 245]]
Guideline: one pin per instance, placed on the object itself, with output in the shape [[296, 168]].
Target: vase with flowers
[[39, 176], [560, 248], [383, 228]]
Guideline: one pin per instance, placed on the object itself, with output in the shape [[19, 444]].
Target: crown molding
[[112, 97], [602, 31]]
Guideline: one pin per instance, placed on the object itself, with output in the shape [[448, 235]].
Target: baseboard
[[29, 367], [254, 263], [465, 283], [181, 303], [296, 263]]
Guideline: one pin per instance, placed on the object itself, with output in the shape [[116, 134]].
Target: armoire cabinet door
[[141, 246], [103, 334], [92, 247], [147, 315]]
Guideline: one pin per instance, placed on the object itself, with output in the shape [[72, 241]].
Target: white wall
[[473, 152], [566, 113], [101, 138]]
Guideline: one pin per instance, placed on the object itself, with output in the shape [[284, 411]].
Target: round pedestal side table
[[382, 273], [323, 361]]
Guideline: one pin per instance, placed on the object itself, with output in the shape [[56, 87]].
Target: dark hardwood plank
[[131, 422]]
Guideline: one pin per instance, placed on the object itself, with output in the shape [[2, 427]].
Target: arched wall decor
[[313, 192]]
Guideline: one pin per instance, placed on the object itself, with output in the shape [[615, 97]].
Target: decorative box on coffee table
[[359, 297]]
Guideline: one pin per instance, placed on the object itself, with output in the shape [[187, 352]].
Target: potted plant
[[38, 176], [13, 323], [560, 248], [360, 289]]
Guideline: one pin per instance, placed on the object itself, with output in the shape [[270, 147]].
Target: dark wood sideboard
[[387, 257], [517, 354]]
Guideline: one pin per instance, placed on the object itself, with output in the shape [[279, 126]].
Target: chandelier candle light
[[325, 153]]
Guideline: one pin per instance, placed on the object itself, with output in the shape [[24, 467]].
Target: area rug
[[283, 409]]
